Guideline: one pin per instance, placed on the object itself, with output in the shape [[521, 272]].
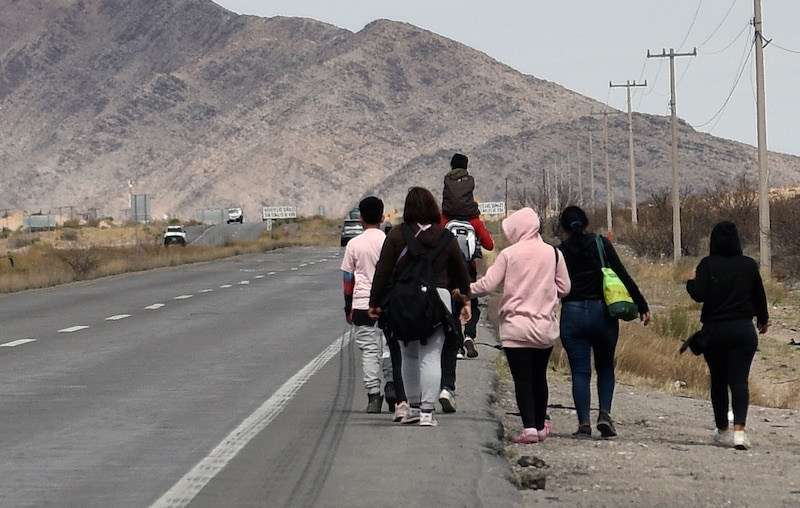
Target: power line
[[696, 12], [719, 25]]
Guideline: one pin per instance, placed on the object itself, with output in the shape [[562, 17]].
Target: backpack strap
[[412, 243]]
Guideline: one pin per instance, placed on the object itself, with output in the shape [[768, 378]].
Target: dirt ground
[[664, 454]]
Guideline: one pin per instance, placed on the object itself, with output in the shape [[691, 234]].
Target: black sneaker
[[584, 431], [390, 395], [605, 426], [375, 403], [469, 345]]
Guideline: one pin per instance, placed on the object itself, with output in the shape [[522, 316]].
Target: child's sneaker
[[411, 417], [545, 431], [529, 435], [427, 420], [740, 441], [400, 411]]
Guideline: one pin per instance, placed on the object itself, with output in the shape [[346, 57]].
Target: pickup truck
[[175, 234]]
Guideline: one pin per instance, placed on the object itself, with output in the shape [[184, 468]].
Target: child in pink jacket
[[534, 277]]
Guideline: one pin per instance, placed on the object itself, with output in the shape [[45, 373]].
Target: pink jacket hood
[[534, 277], [522, 225]]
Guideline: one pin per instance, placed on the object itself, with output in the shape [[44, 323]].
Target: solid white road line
[[183, 492], [73, 329], [15, 343]]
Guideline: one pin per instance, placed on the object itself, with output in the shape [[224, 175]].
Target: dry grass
[[67, 255]]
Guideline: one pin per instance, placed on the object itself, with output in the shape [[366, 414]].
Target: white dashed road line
[[118, 317], [73, 329], [15, 343], [154, 306], [183, 297]]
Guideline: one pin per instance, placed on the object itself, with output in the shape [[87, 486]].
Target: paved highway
[[112, 391]]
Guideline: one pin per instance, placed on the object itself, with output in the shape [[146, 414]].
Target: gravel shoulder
[[664, 455]]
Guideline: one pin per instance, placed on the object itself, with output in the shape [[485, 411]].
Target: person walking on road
[[586, 326], [729, 286], [421, 359], [534, 276], [358, 267]]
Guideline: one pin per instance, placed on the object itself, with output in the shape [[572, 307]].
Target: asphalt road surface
[[231, 383]]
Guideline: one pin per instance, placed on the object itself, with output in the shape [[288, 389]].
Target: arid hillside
[[202, 108]]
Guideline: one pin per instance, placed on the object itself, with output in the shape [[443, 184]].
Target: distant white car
[[235, 215], [175, 234]]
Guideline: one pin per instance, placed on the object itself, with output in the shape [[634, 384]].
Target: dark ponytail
[[574, 220]]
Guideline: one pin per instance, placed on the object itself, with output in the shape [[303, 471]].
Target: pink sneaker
[[411, 417], [542, 434], [529, 435], [400, 411]]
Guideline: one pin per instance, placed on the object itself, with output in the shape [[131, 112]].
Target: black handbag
[[697, 343]]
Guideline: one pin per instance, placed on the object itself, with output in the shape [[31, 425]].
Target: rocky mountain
[[199, 108]]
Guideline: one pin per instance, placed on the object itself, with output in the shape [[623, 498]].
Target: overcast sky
[[585, 44]]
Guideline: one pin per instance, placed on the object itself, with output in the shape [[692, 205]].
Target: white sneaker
[[740, 441], [427, 420], [448, 401], [723, 437], [460, 355]]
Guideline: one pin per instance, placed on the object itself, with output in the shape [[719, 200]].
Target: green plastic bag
[[618, 300]]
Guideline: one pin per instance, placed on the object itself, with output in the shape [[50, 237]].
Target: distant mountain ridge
[[203, 108]]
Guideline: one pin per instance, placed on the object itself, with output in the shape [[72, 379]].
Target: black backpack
[[412, 308]]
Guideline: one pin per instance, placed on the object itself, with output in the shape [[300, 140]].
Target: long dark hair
[[421, 207]]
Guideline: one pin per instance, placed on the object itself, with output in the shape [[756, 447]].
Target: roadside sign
[[492, 207], [279, 212]]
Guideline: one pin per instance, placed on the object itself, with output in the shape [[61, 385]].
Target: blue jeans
[[587, 328]]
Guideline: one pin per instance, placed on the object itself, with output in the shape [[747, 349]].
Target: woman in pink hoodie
[[534, 278]]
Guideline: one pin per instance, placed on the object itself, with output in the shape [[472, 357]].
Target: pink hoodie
[[534, 276]]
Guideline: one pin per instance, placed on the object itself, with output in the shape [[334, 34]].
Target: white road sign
[[279, 212], [492, 207]]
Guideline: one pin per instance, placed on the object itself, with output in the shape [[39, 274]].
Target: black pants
[[731, 348], [529, 369], [397, 369]]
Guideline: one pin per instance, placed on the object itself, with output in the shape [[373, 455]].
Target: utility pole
[[591, 169], [628, 85], [676, 202], [609, 224], [580, 176], [608, 173], [765, 250]]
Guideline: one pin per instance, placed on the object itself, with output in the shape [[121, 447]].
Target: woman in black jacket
[[730, 288]]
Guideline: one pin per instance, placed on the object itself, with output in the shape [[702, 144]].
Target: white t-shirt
[[360, 257]]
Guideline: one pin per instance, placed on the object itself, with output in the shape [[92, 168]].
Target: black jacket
[[728, 283], [583, 264]]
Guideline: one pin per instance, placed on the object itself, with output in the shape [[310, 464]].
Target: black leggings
[[730, 353], [529, 369]]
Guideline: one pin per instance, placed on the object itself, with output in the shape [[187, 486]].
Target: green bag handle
[[602, 250]]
